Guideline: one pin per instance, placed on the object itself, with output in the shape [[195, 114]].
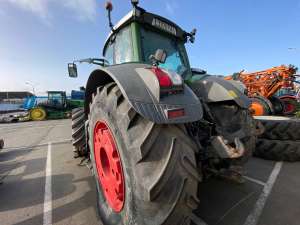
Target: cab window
[[109, 54], [151, 41], [123, 46]]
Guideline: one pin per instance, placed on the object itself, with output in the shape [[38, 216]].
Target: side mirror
[[160, 56], [72, 69], [191, 36]]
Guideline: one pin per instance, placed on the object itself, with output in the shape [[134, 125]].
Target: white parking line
[[234, 207], [39, 145], [33, 126], [255, 180], [253, 217], [197, 220], [47, 220]]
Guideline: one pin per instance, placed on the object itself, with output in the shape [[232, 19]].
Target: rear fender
[[141, 88]]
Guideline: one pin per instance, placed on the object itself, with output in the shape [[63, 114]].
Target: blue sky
[[39, 37]]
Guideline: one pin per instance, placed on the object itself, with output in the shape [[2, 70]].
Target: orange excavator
[[262, 86]]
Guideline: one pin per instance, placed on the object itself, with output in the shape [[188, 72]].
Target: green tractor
[[57, 106], [153, 127]]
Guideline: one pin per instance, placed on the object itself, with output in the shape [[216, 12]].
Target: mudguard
[[216, 89], [141, 88]]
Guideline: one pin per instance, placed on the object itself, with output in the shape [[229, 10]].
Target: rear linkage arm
[[219, 144]]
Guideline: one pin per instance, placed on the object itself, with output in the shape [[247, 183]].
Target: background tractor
[[57, 106], [263, 85], [153, 127]]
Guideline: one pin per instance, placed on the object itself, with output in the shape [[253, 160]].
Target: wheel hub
[[37, 114], [258, 109], [109, 166]]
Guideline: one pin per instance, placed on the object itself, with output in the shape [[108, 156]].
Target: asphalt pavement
[[41, 183]]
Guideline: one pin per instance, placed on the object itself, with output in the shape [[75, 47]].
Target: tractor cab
[[57, 99], [138, 36]]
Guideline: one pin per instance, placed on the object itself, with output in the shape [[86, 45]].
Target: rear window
[[123, 46], [120, 51], [151, 41]]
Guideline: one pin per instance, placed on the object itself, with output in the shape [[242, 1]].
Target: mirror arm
[[101, 62], [83, 61]]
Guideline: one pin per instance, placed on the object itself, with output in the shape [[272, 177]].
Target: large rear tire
[[280, 128], [278, 150], [78, 132], [158, 165]]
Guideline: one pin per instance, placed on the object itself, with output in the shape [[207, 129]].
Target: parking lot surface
[[41, 183]]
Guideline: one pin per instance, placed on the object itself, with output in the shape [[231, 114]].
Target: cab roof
[[149, 19]]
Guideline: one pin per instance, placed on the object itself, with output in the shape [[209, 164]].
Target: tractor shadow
[[226, 203], [11, 154]]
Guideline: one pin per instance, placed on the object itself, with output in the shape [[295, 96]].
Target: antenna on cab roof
[[109, 8]]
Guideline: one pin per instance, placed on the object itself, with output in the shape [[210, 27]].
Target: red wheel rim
[[109, 166], [289, 104], [289, 108]]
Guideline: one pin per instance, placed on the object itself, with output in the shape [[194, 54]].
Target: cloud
[[38, 7], [171, 7], [84, 10]]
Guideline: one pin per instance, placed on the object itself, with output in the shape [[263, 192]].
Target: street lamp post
[[32, 86]]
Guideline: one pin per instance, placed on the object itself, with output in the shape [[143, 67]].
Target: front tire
[[37, 114], [78, 132], [1, 144], [158, 165]]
